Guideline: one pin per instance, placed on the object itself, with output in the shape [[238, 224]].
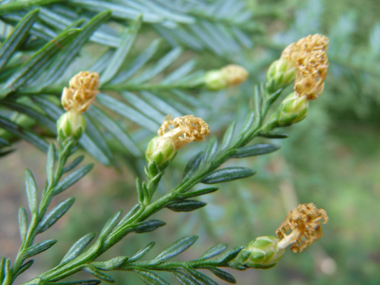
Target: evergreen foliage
[[45, 42]]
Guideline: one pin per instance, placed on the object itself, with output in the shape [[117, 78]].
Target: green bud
[[292, 110], [279, 75], [71, 124], [160, 150], [261, 252], [215, 80]]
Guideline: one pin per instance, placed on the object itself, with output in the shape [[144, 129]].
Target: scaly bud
[[71, 124], [304, 224], [173, 135], [214, 80], [229, 75], [160, 150], [261, 252], [292, 110], [279, 75]]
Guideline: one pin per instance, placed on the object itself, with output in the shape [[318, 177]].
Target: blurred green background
[[331, 159]]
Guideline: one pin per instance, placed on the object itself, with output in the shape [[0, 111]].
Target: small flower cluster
[[184, 130], [304, 222], [306, 62], [173, 135], [82, 91], [76, 100], [311, 63]]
